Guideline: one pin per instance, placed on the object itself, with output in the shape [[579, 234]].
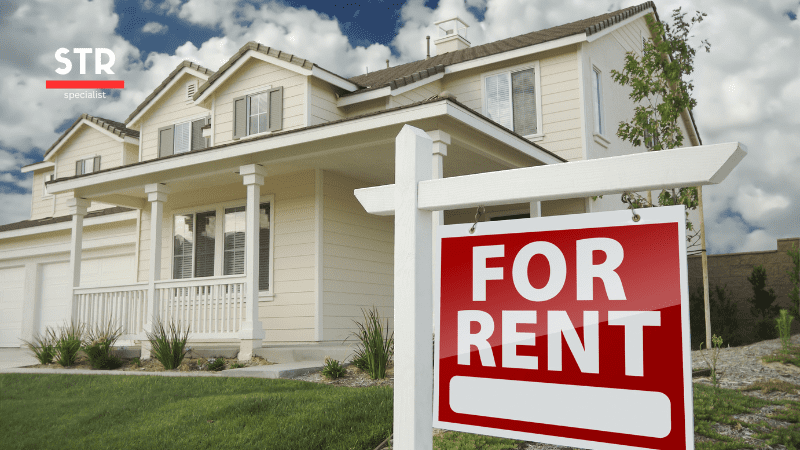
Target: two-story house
[[225, 201]]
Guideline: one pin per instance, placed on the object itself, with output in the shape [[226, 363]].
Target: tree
[[794, 278], [660, 90], [762, 303]]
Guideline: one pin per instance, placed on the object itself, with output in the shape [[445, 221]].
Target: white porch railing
[[212, 307], [123, 306]]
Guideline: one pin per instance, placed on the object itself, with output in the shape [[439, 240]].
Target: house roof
[[170, 77], [435, 98], [111, 126], [257, 47], [397, 76], [50, 220]]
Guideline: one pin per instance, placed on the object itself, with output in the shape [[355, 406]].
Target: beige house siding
[[130, 154], [323, 103], [41, 206], [419, 94], [254, 76], [290, 315], [172, 108], [358, 259], [120, 234]]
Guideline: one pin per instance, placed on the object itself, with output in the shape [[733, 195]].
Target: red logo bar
[[85, 84]]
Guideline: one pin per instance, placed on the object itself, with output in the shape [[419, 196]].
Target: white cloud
[[23, 182], [154, 28]]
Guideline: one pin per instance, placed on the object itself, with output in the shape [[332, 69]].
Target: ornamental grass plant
[[168, 345], [376, 345], [97, 346], [332, 369], [43, 346], [68, 343]]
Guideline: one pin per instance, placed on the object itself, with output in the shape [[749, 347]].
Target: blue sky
[[748, 87]]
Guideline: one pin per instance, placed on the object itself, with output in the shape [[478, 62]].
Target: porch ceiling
[[362, 149]]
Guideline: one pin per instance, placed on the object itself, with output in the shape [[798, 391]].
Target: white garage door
[[12, 283], [107, 271], [55, 290]]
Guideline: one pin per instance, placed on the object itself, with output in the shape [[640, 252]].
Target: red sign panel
[[569, 330]]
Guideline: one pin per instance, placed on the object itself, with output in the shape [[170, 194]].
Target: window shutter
[[78, 167], [198, 141], [276, 109], [96, 163], [498, 99], [165, 141], [205, 244], [523, 85], [239, 117]]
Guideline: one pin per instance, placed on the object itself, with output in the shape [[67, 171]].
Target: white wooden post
[[413, 309], [157, 196], [77, 207], [251, 332], [536, 209], [440, 142]]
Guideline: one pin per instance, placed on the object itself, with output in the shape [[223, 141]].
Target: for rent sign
[[569, 330]]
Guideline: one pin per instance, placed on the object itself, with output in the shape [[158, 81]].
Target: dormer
[[452, 35]]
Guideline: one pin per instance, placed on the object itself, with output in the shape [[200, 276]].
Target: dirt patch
[[152, 365]]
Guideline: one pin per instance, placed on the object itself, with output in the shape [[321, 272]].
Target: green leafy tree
[[762, 304], [794, 278], [658, 78]]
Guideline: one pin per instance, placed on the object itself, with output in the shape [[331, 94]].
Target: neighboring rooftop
[[390, 76]]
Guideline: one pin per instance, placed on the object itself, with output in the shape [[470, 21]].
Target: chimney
[[387, 63], [452, 35], [429, 47]]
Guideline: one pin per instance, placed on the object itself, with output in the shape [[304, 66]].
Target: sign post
[[413, 198]]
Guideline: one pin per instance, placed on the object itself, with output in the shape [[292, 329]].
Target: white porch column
[[536, 209], [77, 207], [413, 389], [251, 332], [157, 196], [440, 142]]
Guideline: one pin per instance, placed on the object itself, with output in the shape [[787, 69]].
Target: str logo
[[99, 66]]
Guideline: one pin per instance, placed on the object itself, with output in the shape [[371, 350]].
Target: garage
[[55, 291], [12, 286]]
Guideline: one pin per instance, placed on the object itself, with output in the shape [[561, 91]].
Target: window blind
[[234, 244], [204, 253], [498, 99], [183, 137], [182, 246], [523, 85]]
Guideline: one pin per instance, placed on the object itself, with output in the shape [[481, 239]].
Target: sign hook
[[627, 197], [480, 211]]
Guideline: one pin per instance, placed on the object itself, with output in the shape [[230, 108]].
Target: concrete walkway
[[13, 360]]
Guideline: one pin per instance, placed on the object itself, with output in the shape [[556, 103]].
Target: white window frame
[[49, 176], [538, 80], [219, 240], [83, 164], [261, 90], [599, 117]]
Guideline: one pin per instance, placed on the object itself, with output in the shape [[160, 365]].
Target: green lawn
[[117, 412]]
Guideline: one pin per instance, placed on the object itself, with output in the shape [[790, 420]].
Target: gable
[[87, 142]]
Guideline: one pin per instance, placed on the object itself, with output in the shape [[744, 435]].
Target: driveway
[[16, 357]]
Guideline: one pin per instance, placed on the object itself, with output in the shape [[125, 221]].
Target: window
[[87, 165], [597, 98], [47, 177], [258, 113], [512, 100], [182, 137], [195, 237]]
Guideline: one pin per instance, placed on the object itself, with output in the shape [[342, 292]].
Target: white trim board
[[66, 225]]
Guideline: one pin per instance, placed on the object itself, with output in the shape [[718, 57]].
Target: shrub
[[97, 346], [168, 346], [375, 345], [216, 365], [43, 346], [724, 321], [762, 301], [68, 343], [784, 324], [332, 369]]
